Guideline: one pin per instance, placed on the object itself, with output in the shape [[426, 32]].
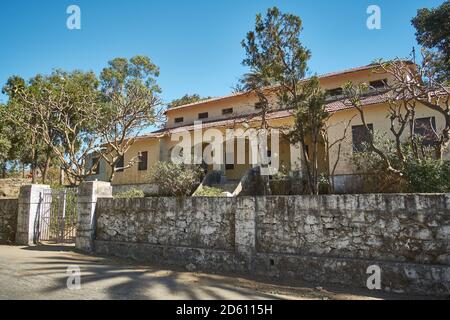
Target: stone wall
[[410, 228], [8, 220], [324, 239], [10, 188], [188, 222]]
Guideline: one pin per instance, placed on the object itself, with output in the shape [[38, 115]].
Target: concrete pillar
[[88, 193], [30, 202], [296, 157], [245, 229]]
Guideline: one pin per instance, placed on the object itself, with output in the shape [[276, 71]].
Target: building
[[240, 109]]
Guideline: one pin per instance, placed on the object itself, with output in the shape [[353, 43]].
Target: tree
[[433, 32], [409, 86], [278, 64], [186, 99], [131, 102], [62, 110], [310, 117]]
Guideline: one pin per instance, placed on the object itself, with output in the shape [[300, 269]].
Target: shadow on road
[[122, 279], [51, 247]]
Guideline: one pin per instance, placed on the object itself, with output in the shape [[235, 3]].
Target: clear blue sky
[[195, 43]]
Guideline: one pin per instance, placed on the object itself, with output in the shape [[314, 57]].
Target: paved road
[[40, 273]]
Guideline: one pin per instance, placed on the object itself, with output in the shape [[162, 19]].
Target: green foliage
[[121, 74], [274, 48], [209, 192], [186, 99], [428, 176], [424, 174], [130, 194], [175, 179], [131, 104], [433, 32]]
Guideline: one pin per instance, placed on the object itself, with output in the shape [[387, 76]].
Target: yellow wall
[[133, 175], [159, 148], [376, 115]]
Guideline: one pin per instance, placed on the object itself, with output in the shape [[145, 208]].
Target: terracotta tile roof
[[332, 106], [237, 94]]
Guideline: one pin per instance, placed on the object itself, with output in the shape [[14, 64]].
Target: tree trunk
[[33, 158], [4, 170], [61, 176], [46, 166]]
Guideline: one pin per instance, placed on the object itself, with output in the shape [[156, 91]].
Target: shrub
[[130, 194], [175, 179], [209, 192], [428, 176], [420, 173]]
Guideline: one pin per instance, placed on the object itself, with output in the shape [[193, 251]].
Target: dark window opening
[[229, 166], [425, 128], [179, 120], [120, 164], [259, 105], [335, 92], [378, 84], [96, 162], [227, 111], [203, 115], [143, 159], [361, 137]]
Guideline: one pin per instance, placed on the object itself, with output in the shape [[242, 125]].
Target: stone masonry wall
[[322, 239], [8, 220], [188, 222], [401, 228]]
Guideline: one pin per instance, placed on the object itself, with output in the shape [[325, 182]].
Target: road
[[41, 273]]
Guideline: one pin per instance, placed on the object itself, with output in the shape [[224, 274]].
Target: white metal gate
[[57, 219]]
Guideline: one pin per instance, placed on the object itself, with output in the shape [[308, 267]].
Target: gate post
[[88, 193], [30, 201]]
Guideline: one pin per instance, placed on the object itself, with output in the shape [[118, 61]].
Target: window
[[120, 164], [96, 161], [360, 137], [425, 128], [179, 120], [378, 84], [143, 158], [335, 92], [229, 166], [227, 111], [203, 115], [259, 105]]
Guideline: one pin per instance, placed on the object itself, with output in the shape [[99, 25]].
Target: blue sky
[[195, 43]]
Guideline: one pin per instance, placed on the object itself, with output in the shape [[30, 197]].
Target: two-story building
[[238, 110]]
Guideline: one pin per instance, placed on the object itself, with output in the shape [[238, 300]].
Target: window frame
[[178, 120], [203, 115], [355, 148], [120, 164], [227, 111], [141, 166], [431, 121]]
